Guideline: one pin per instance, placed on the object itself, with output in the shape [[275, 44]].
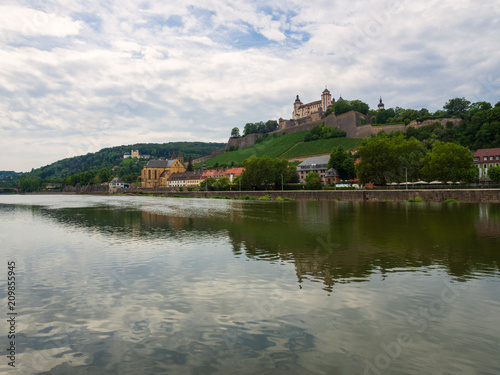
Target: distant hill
[[286, 146], [113, 156], [9, 178], [7, 174]]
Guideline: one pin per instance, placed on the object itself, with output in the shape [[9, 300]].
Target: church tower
[[380, 105]]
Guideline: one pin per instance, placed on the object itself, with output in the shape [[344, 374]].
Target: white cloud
[[26, 21], [181, 68]]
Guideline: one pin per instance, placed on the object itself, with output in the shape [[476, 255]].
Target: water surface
[[131, 285]]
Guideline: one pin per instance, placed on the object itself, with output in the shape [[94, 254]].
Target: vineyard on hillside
[[322, 146], [285, 146], [272, 147]]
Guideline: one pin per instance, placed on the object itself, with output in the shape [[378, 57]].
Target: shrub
[[451, 200], [313, 181], [265, 198], [278, 198], [415, 200], [286, 199]]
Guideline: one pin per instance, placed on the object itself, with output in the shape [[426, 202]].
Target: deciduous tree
[[313, 181], [457, 107], [494, 173], [449, 162], [341, 160], [389, 159], [235, 132]]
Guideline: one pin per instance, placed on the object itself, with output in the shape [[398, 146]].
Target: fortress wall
[[388, 128], [242, 142], [346, 122], [299, 128], [349, 122], [442, 121]]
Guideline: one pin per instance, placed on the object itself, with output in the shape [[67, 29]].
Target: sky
[[78, 76]]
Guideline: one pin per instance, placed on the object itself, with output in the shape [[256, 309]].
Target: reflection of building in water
[[488, 223], [164, 221]]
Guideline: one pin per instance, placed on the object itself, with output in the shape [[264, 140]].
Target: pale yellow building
[[186, 179]]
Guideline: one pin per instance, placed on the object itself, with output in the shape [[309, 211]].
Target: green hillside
[[272, 147], [286, 146], [113, 156], [321, 146]]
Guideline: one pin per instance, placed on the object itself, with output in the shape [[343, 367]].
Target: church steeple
[[380, 104]]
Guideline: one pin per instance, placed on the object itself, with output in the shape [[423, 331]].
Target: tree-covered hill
[[111, 157]]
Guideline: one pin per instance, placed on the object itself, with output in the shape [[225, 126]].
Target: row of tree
[[385, 159], [344, 106], [256, 127], [260, 173]]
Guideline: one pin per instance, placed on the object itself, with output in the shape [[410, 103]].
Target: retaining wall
[[461, 195]]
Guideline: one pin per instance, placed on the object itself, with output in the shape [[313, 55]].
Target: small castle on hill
[[309, 112], [314, 111]]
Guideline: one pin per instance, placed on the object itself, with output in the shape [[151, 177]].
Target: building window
[[485, 158], [491, 157]]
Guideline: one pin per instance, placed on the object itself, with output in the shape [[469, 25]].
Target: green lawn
[[322, 146]]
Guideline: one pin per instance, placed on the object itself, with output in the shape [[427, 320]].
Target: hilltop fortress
[[307, 116]]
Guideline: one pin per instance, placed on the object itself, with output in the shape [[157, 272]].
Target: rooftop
[[160, 163], [315, 161], [487, 152]]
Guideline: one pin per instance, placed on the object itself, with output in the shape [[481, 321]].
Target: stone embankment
[[427, 195]]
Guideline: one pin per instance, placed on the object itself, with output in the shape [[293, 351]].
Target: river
[[149, 285]]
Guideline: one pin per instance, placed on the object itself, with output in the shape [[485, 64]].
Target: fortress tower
[[326, 99]]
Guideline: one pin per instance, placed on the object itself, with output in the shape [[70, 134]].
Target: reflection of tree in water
[[346, 242], [331, 242]]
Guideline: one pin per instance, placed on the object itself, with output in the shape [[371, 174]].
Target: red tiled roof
[[223, 172], [234, 171], [486, 152], [310, 104]]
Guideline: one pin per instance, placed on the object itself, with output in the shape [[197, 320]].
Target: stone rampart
[[242, 142], [350, 122]]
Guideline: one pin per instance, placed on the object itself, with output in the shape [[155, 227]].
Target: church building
[[157, 172]]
